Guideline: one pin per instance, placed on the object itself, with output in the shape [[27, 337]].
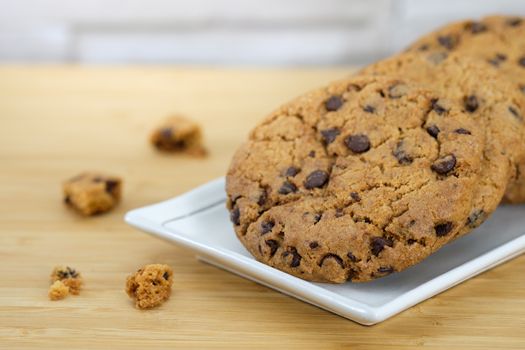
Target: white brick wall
[[223, 31]]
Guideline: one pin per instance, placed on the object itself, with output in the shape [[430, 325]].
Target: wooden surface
[[58, 121]]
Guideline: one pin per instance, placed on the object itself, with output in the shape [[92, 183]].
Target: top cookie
[[486, 96], [499, 42], [365, 177]]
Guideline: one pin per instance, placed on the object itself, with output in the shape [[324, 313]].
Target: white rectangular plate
[[199, 220]]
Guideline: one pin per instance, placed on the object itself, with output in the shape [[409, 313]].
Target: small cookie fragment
[[150, 286], [58, 290], [68, 276], [179, 134], [92, 193]]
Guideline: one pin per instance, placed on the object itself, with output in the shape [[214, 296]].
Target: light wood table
[[58, 121]]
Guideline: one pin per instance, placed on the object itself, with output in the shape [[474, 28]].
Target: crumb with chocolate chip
[[150, 286], [58, 290], [179, 134], [68, 276], [92, 193]]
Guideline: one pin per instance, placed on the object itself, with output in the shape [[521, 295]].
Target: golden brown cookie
[[497, 41], [92, 193], [362, 178], [486, 96], [150, 286], [179, 134]]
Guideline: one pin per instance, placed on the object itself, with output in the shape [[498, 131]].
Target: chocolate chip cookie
[[486, 96], [92, 193], [362, 178], [150, 286], [179, 134], [497, 41]]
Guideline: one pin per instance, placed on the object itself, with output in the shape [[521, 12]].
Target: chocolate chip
[[401, 155], [333, 103], [471, 103], [437, 107], [462, 131], [433, 131], [351, 274], [351, 257], [316, 179], [498, 58], [336, 257], [317, 218], [155, 282], [522, 88], [369, 109], [166, 133], [501, 57], [447, 41], [443, 229], [377, 244], [476, 218], [424, 47], [444, 165], [521, 61], [411, 241], [329, 135], [311, 154], [515, 112], [296, 258], [287, 187], [263, 197], [339, 212], [476, 27], [166, 275], [273, 244], [355, 196], [67, 200], [235, 216], [514, 22], [72, 272], [385, 269], [358, 143], [111, 185], [314, 245], [292, 171], [267, 226]]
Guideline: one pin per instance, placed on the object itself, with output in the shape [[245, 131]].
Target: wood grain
[[57, 121]]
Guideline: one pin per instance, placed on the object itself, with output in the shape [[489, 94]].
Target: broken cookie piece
[[92, 193], [150, 286], [69, 277], [179, 134], [58, 290]]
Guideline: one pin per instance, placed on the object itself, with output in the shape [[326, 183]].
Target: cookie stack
[[373, 173]]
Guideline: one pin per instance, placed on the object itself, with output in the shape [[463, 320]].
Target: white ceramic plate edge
[[304, 290]]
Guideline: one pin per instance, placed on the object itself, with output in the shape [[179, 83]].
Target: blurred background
[[224, 32]]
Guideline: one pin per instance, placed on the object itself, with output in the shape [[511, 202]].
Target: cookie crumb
[[68, 276], [92, 193], [58, 290], [179, 134], [150, 286]]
